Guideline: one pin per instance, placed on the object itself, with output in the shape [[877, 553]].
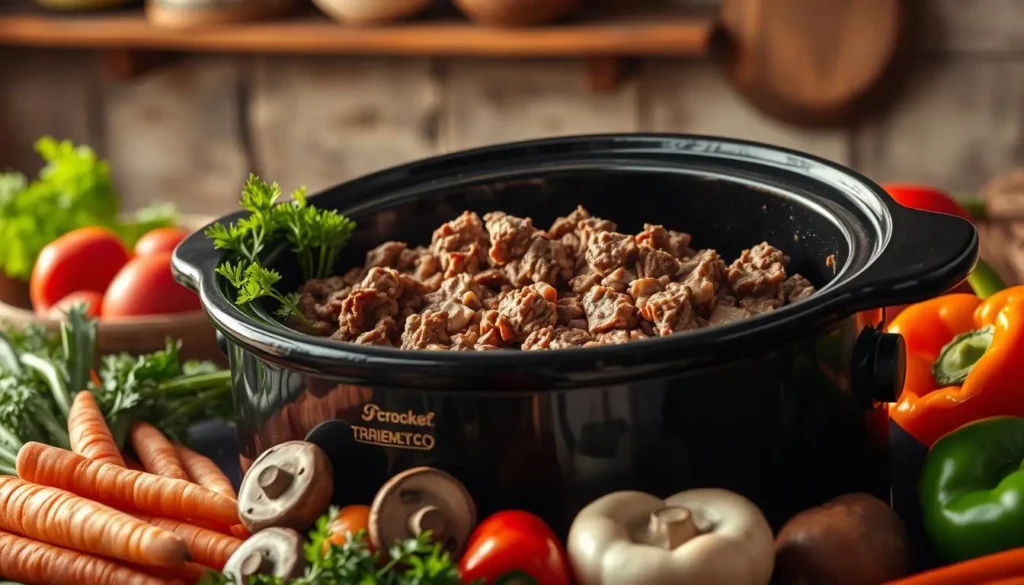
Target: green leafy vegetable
[[40, 373], [315, 236], [416, 561], [73, 190]]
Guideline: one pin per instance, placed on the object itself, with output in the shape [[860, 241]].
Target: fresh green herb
[[73, 190], [315, 236], [416, 561], [40, 373]]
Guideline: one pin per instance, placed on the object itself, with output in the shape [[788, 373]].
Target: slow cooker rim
[[828, 306]]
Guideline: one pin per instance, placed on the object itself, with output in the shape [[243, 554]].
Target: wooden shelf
[[654, 32]]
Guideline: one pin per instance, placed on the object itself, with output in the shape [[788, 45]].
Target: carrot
[[60, 518], [123, 488], [155, 452], [187, 574], [36, 563], [204, 472], [1008, 581], [239, 531], [207, 547], [975, 571], [89, 433]]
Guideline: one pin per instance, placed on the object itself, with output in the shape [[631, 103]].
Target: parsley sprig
[[416, 561], [315, 236]]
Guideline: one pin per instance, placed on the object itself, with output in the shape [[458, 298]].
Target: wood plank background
[[192, 131]]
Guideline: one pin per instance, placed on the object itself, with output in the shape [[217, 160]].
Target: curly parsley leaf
[[314, 235]]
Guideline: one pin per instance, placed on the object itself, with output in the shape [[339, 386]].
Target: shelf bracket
[[126, 64], [606, 74]]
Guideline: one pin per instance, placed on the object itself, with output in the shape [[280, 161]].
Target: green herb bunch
[[314, 235], [41, 372], [73, 190], [416, 561]]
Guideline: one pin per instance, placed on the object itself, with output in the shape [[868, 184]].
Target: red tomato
[[508, 544], [145, 287], [925, 198], [86, 259], [160, 240], [92, 299]]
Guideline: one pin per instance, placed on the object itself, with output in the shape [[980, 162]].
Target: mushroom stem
[[427, 518], [670, 527], [274, 481], [256, 564]]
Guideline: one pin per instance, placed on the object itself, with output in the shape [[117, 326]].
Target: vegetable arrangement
[[315, 235], [63, 233], [72, 509], [963, 357], [74, 190], [92, 265], [39, 373]]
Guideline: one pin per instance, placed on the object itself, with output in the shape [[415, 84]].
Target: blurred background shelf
[[649, 32]]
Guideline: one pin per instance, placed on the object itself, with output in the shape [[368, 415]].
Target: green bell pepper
[[972, 489]]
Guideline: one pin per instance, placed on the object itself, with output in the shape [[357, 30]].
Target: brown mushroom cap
[[420, 499], [289, 485], [274, 551]]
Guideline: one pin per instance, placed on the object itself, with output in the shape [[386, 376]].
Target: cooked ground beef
[[501, 283]]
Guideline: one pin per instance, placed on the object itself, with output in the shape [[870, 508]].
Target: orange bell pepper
[[965, 362]]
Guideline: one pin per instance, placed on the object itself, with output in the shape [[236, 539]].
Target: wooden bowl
[[135, 335], [516, 12], [363, 12]]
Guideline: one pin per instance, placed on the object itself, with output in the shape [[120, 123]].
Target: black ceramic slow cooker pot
[[786, 408]]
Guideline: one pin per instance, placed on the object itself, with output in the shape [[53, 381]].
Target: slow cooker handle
[[195, 256], [927, 254]]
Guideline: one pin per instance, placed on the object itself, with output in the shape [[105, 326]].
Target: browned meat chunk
[[645, 287], [676, 244], [525, 310], [385, 255], [607, 251], [361, 310], [727, 314], [618, 280], [607, 310], [380, 334], [705, 279], [671, 310], [656, 263], [510, 236], [426, 331], [557, 338], [618, 337], [797, 288], [758, 271], [544, 261], [571, 313], [463, 234], [320, 301]]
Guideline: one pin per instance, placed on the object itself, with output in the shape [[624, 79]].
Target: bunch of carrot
[[92, 516]]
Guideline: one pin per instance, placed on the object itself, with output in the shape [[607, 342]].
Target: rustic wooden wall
[[192, 131]]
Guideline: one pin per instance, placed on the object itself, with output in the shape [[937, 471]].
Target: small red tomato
[[145, 287], [92, 300], [160, 240], [86, 259], [514, 546]]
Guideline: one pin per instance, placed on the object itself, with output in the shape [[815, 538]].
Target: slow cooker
[[787, 408]]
